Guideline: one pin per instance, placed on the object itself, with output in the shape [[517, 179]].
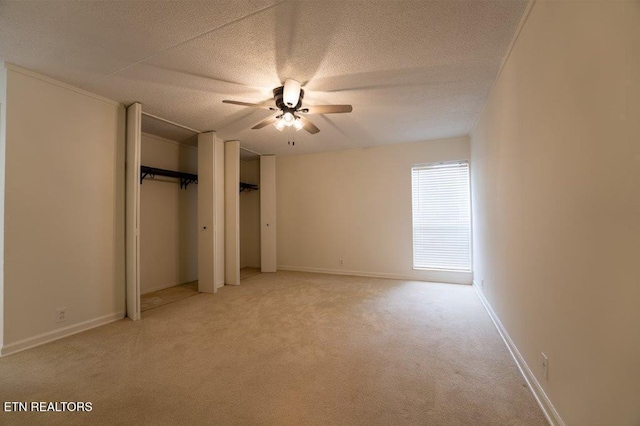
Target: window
[[441, 216]]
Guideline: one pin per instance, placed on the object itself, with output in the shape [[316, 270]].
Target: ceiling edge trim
[[516, 35], [461, 137], [12, 67]]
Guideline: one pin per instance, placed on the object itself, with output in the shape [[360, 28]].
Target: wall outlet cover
[[61, 314]]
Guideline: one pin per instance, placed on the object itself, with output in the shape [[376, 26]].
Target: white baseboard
[[541, 397], [343, 272], [363, 274], [50, 336]]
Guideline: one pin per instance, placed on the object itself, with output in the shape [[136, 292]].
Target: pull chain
[[290, 138]]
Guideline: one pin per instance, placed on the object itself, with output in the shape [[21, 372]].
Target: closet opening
[[168, 223], [183, 225], [250, 263]]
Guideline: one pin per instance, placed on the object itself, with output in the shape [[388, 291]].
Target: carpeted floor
[[285, 349], [168, 295], [248, 272], [172, 294]]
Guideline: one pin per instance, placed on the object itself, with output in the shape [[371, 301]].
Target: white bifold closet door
[[210, 212], [268, 213], [132, 220], [232, 212]]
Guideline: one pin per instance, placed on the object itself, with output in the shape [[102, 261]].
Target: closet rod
[[185, 178], [170, 122]]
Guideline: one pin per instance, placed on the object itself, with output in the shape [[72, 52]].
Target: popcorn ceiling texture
[[287, 348], [413, 70]]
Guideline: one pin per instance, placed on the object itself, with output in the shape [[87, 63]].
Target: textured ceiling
[[413, 70]]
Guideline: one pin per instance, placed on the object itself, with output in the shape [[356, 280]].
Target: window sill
[[464, 271]]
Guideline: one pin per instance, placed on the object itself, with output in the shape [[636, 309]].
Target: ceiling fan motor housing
[[278, 93]]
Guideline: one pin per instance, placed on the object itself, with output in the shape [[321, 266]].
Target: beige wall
[[168, 217], [355, 205], [556, 205], [250, 216], [64, 210]]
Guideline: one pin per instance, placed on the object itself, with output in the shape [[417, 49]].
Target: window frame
[[470, 239]]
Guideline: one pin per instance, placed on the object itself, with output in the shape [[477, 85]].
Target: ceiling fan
[[288, 99]]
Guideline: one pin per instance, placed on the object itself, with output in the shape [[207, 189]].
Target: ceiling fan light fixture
[[291, 93], [288, 119], [298, 124], [280, 124]]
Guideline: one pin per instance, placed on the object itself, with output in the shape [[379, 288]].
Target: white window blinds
[[441, 216]]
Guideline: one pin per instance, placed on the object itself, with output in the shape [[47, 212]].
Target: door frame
[[132, 209]]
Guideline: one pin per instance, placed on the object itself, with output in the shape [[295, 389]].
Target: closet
[[168, 213], [161, 211], [249, 214], [187, 210]]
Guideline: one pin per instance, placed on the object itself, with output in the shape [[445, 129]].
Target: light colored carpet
[[248, 272], [168, 295], [285, 349]]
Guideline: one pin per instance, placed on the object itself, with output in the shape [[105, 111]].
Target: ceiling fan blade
[[265, 122], [309, 126], [247, 104], [326, 109]]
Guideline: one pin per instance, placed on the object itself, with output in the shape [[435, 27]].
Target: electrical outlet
[[61, 314], [545, 366], [341, 262]]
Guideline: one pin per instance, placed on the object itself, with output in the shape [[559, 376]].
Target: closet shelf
[[185, 178], [248, 187]]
